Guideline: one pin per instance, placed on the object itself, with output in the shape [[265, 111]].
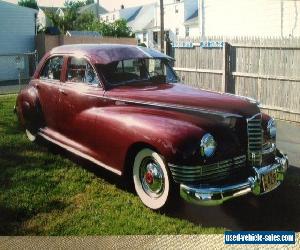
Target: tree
[[73, 20], [86, 21], [120, 28], [28, 3]]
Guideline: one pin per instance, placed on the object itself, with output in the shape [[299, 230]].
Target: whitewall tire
[[151, 179], [31, 136]]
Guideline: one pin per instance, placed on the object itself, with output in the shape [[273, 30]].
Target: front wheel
[[151, 179]]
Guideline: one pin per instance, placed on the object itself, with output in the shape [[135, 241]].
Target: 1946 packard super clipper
[[120, 107]]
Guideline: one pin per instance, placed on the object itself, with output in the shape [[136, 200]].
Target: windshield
[[138, 70]]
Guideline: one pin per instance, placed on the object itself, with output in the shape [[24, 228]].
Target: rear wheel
[[32, 122], [151, 179]]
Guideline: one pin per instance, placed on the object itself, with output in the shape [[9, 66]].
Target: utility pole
[[162, 28], [97, 10]]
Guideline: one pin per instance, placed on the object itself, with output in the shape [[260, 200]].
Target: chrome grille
[[255, 140], [211, 172]]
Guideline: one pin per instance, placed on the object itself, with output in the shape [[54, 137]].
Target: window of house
[[114, 17], [155, 37], [187, 31], [145, 37], [79, 70], [177, 32], [106, 18], [52, 68], [176, 9]]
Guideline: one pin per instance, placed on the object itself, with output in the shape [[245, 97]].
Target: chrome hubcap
[[152, 177]]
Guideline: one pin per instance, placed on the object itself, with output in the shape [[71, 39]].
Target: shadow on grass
[[11, 219], [278, 210]]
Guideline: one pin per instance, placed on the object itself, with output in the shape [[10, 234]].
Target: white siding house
[[180, 16], [17, 34], [279, 18]]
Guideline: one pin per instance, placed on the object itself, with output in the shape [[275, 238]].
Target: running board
[[78, 153]]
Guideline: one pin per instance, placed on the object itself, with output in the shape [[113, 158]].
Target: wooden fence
[[44, 43], [265, 69]]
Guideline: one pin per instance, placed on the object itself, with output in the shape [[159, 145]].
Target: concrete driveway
[[288, 140]]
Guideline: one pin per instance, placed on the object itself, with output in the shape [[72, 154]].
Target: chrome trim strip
[[83, 155], [269, 150], [176, 107], [169, 106], [216, 195]]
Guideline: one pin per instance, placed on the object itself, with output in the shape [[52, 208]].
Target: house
[[93, 9], [139, 18], [127, 14], [180, 20], [48, 7], [17, 34], [261, 18], [142, 23]]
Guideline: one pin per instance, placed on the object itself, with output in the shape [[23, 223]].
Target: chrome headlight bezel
[[271, 129], [208, 145]]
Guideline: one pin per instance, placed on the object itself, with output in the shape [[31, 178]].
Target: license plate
[[269, 181]]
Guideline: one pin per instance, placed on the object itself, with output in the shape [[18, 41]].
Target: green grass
[[43, 193]]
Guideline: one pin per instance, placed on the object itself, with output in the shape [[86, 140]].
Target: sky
[[107, 4]]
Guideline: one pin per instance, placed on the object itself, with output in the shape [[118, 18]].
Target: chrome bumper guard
[[216, 195]]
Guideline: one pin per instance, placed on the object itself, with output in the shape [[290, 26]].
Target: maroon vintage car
[[121, 107]]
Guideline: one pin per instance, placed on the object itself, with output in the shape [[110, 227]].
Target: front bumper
[[216, 195]]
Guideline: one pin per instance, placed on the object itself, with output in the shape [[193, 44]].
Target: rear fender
[[28, 107]]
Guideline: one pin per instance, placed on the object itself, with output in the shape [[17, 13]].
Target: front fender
[[176, 139]]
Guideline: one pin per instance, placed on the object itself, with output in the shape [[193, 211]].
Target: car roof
[[107, 53]]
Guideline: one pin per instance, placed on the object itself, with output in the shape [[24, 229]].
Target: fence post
[[225, 74]]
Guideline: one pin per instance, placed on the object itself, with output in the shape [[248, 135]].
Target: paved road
[[288, 140]]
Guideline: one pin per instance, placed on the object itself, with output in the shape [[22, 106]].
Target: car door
[[48, 89], [79, 93]]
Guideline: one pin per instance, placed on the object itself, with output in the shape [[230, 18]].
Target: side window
[[52, 68], [79, 70]]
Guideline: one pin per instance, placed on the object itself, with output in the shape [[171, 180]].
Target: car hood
[[184, 97]]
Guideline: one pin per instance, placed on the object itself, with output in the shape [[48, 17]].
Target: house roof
[[107, 53], [192, 18], [92, 8], [83, 33], [135, 14], [143, 18]]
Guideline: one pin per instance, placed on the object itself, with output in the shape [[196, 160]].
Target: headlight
[[271, 129], [208, 145]]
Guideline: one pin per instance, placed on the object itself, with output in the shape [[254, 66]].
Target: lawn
[[45, 192]]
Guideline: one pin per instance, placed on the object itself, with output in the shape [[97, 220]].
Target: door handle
[[62, 92]]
